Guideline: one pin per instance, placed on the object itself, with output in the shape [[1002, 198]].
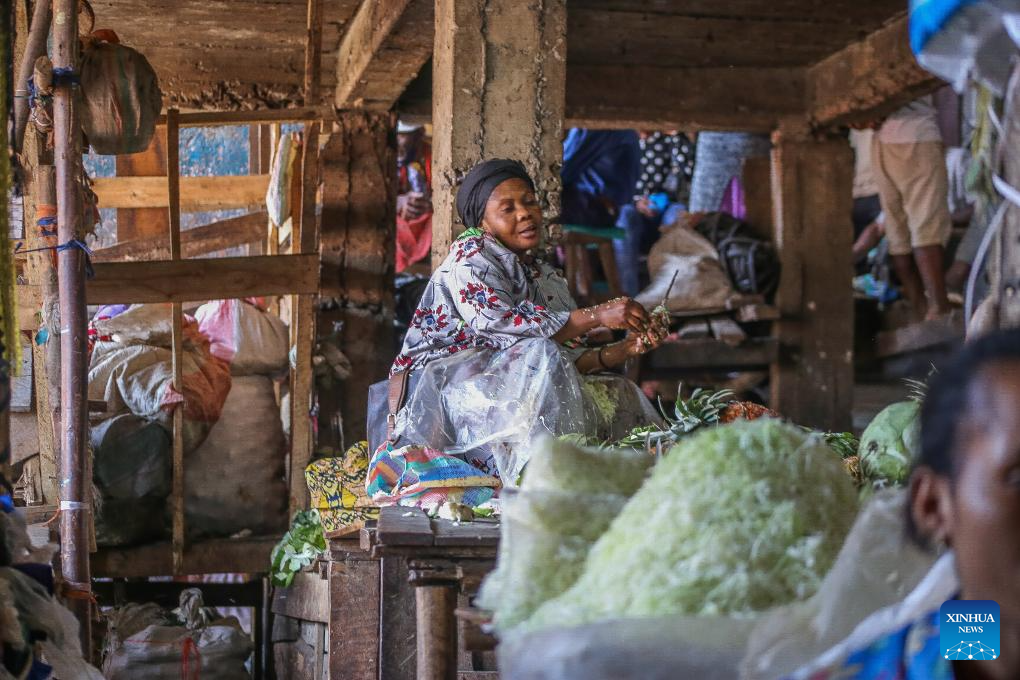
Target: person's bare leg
[[956, 276], [930, 263], [910, 281]]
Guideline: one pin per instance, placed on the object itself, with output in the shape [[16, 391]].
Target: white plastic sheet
[[480, 402]]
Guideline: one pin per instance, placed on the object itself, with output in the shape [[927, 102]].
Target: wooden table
[[382, 607], [444, 560]]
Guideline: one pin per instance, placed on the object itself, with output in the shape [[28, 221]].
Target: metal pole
[[75, 503]]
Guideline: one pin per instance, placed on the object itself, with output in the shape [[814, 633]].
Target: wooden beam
[[652, 96], [208, 279], [867, 80], [197, 193], [300, 114], [195, 242], [687, 355], [138, 223], [746, 98], [240, 555], [173, 176], [383, 49], [812, 382], [920, 336], [313, 52]]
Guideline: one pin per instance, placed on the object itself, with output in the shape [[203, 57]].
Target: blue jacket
[[602, 163]]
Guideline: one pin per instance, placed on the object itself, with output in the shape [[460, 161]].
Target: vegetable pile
[[736, 519], [298, 549]]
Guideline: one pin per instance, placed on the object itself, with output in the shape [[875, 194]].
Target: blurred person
[[414, 196], [909, 166]]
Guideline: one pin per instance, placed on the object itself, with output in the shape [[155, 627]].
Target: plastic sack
[[939, 584], [877, 566], [280, 175], [483, 403], [568, 498], [132, 471], [138, 378], [961, 39], [633, 649], [548, 534], [121, 99], [234, 480], [150, 324], [250, 339], [216, 649]]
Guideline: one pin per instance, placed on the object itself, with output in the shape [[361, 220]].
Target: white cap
[[404, 128]]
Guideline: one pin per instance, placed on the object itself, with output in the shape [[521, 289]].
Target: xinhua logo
[[969, 630]]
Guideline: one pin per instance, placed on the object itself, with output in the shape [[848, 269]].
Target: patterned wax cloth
[[424, 477], [337, 489]]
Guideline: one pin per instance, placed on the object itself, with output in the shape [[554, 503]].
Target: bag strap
[[397, 396]]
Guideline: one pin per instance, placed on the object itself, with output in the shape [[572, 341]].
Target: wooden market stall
[[497, 79]]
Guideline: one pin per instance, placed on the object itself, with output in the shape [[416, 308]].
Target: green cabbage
[[736, 519], [890, 443], [298, 548]]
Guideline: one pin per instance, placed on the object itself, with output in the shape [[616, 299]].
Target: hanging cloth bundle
[[121, 99]]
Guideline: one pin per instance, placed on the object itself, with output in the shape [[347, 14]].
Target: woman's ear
[[931, 508]]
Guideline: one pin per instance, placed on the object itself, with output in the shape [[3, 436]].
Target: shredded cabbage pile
[[735, 520], [568, 498]]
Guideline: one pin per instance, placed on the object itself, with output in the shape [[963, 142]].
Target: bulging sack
[[121, 99]]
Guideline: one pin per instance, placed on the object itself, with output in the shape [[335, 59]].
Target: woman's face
[[513, 216], [978, 513]]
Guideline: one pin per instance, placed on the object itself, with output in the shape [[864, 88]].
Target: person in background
[[909, 167], [600, 171], [965, 497], [414, 196], [867, 210], [667, 164]]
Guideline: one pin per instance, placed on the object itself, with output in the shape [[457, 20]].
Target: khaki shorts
[[914, 190]]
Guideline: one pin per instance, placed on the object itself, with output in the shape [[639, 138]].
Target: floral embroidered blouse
[[484, 295]]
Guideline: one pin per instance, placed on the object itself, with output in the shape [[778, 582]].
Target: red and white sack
[[252, 340], [121, 99]]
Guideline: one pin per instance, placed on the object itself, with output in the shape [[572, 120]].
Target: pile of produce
[[736, 519], [298, 548], [568, 498]]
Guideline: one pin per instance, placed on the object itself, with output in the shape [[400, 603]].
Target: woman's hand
[[636, 344], [623, 314]]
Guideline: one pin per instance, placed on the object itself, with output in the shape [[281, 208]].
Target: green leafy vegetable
[[299, 547], [891, 443], [736, 519]]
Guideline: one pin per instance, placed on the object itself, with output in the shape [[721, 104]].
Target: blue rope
[[47, 222], [62, 247]]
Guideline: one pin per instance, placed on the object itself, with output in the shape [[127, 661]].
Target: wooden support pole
[[35, 47], [812, 383], [357, 248], [437, 631], [313, 53], [75, 485], [173, 175], [499, 83]]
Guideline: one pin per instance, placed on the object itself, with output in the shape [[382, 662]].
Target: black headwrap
[[478, 185]]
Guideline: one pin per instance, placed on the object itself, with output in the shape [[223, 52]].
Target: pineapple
[[745, 410]]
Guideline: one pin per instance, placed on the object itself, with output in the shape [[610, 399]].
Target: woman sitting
[[496, 351], [964, 496]]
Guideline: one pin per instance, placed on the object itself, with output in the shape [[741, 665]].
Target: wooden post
[[75, 485], [437, 631], [313, 52], [303, 240], [358, 244], [173, 179], [812, 384], [1004, 258], [498, 90], [136, 223]]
